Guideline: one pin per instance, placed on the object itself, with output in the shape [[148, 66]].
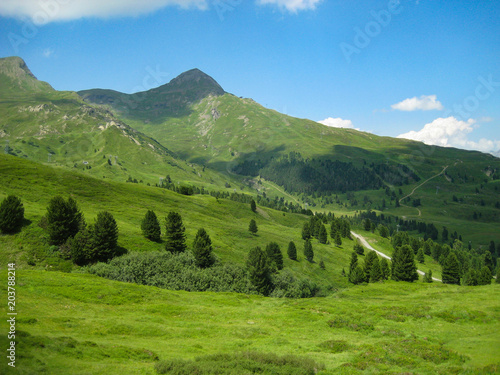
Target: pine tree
[[252, 227], [323, 235], [292, 251], [420, 256], [308, 250], [357, 276], [259, 271], [202, 249], [322, 264], [369, 260], [175, 236], [384, 269], [428, 277], [470, 278], [367, 225], [306, 231], [375, 272], [253, 206], [11, 215], [354, 263], [358, 248], [82, 248], [451, 270], [338, 239], [151, 227], [64, 220], [274, 253], [488, 261], [484, 276], [384, 231], [346, 229], [403, 264], [104, 237]]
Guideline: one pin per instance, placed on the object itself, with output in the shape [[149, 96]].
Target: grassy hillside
[[81, 324]]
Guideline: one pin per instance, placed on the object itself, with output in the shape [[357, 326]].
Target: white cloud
[[292, 5], [45, 11], [47, 52], [424, 103], [337, 123], [450, 132]]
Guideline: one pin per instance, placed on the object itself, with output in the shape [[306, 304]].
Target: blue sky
[[427, 70]]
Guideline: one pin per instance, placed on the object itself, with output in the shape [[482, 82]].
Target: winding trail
[[418, 187], [365, 243]]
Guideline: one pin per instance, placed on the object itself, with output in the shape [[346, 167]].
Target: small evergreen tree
[[64, 220], [306, 231], [403, 264], [498, 274], [484, 276], [353, 264], [383, 230], [338, 239], [252, 227], [451, 270], [151, 227], [253, 206], [367, 225], [428, 277], [384, 269], [470, 278], [358, 248], [420, 256], [104, 237], [82, 247], [375, 272], [202, 249], [488, 261], [322, 264], [322, 235], [308, 250], [11, 215], [175, 236], [357, 276], [259, 271], [369, 260], [275, 256], [292, 251]]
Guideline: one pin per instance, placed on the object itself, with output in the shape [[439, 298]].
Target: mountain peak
[[193, 80], [15, 75]]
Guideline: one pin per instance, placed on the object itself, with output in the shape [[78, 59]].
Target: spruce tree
[[470, 278], [252, 227], [484, 276], [488, 261], [274, 253], [369, 260], [498, 274], [451, 270], [322, 264], [151, 227], [308, 250], [104, 237], [357, 276], [253, 206], [375, 272], [420, 256], [259, 271], [82, 247], [367, 225], [428, 277], [11, 215], [358, 248], [306, 231], [292, 251], [175, 236], [338, 239], [354, 263], [403, 264], [202, 249], [64, 220], [323, 235], [384, 269]]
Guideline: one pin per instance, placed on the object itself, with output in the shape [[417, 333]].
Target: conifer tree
[[275, 256], [308, 250], [202, 249], [322, 264], [357, 276], [428, 277], [367, 225], [253, 206], [11, 215], [306, 231], [252, 227], [175, 236], [470, 278], [346, 229], [151, 227], [384, 269], [338, 239], [375, 272], [82, 248], [420, 255], [484, 276], [488, 261], [104, 237], [369, 260], [354, 262], [259, 271], [403, 264], [292, 251], [451, 270], [64, 220], [322, 235], [358, 248], [498, 274]]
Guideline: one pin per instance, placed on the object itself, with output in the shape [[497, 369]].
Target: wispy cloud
[[292, 5], [450, 132], [424, 103], [337, 123], [47, 52]]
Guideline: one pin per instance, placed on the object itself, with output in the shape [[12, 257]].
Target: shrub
[[11, 215]]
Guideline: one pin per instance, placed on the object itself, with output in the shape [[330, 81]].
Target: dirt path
[[365, 243], [418, 187]]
